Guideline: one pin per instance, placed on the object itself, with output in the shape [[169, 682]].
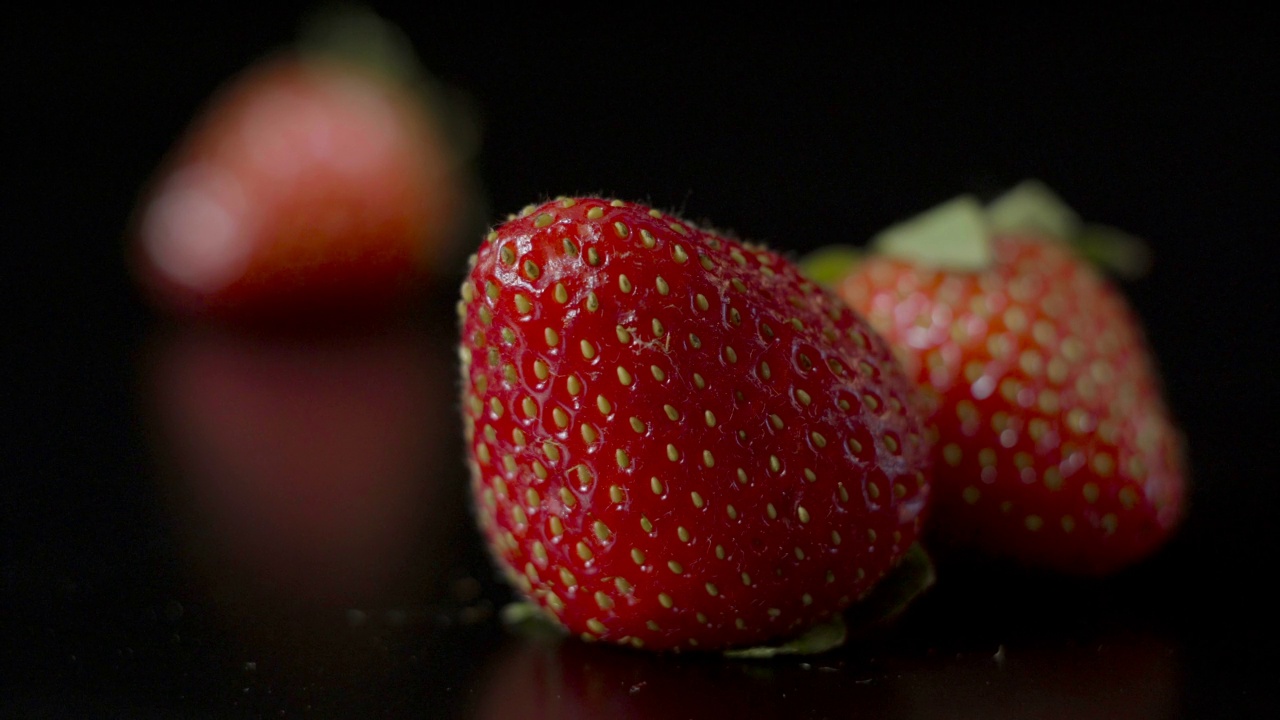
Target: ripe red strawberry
[[310, 184], [1053, 443], [676, 440]]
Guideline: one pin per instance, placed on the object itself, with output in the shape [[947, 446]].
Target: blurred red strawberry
[[1055, 446], [325, 179]]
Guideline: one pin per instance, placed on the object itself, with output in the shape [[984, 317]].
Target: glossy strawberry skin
[[676, 441], [1053, 443], [305, 187]]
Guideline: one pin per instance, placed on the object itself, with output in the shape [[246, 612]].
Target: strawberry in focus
[[1054, 446], [676, 440], [311, 185]]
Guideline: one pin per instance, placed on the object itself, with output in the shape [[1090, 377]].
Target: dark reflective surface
[[296, 539], [195, 523]]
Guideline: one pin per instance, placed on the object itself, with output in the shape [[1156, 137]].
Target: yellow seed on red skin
[[601, 530]]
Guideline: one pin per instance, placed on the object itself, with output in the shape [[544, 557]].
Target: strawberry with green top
[[676, 440], [325, 181], [1054, 446]]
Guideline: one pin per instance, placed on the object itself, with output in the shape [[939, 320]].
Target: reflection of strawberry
[[313, 183], [540, 680], [304, 468], [678, 441], [1118, 674], [1054, 446]]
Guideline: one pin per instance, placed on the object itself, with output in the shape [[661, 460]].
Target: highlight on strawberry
[[1053, 443], [676, 440]]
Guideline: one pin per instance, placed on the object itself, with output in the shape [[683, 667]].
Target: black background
[[796, 129]]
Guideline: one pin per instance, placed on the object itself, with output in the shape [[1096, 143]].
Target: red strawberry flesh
[[676, 440], [1054, 446]]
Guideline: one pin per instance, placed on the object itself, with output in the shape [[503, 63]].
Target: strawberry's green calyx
[[358, 37], [957, 235], [817, 640], [829, 264], [889, 599], [951, 236], [1032, 209], [1114, 250], [530, 620]]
